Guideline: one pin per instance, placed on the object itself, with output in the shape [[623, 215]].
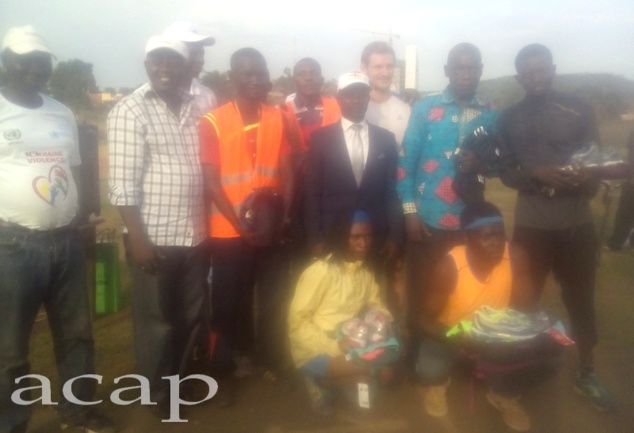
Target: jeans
[[43, 268], [169, 314]]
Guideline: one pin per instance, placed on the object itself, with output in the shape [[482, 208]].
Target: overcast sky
[[584, 35]]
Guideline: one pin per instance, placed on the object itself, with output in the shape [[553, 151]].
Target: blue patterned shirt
[[426, 169]]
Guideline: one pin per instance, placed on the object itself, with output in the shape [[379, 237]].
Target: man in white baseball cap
[[186, 32], [24, 40], [365, 178], [157, 184], [40, 213]]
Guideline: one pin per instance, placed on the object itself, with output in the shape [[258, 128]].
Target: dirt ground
[[282, 407]]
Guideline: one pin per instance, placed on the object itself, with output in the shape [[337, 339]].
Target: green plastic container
[[108, 283]]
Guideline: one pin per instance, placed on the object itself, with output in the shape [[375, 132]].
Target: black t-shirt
[[538, 132]]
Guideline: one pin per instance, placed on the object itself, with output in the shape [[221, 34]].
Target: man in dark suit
[[351, 164]]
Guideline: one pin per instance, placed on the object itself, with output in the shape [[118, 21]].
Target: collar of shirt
[[186, 98], [149, 92], [300, 104], [448, 98], [196, 87], [348, 135]]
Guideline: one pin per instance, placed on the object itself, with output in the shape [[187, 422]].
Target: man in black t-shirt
[[553, 220]]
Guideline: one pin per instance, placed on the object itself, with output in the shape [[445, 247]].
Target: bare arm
[[144, 253]]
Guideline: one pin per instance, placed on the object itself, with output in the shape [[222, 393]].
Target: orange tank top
[[471, 293]]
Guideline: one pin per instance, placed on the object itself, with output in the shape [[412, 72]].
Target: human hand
[[415, 228], [468, 162], [344, 345], [555, 177], [145, 254]]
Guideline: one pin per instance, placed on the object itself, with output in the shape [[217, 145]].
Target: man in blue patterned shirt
[[427, 166]]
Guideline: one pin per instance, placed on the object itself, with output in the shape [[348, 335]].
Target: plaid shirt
[[155, 165]]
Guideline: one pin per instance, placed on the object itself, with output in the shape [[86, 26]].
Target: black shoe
[[90, 421]]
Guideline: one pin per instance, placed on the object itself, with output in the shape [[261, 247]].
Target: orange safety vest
[[239, 176], [470, 293], [331, 113]]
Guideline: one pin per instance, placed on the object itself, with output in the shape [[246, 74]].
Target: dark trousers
[[421, 260], [509, 368], [241, 274], [169, 314], [43, 268], [624, 219], [571, 254]]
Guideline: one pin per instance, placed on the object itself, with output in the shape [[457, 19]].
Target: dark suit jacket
[[330, 186]]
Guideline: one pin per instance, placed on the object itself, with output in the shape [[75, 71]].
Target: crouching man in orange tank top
[[478, 274]]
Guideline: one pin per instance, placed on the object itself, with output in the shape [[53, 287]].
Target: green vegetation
[[611, 95], [70, 84]]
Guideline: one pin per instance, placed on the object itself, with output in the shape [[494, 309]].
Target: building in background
[[411, 67]]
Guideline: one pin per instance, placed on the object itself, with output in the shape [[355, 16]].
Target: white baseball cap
[[185, 31], [354, 77], [160, 41], [24, 40]]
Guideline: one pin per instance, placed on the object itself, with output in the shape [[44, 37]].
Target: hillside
[[611, 94]]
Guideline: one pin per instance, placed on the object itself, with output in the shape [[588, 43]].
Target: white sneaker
[[512, 411], [435, 399]]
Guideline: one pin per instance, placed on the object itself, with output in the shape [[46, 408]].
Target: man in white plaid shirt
[[157, 184]]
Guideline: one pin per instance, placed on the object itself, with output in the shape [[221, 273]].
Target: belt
[[26, 230]]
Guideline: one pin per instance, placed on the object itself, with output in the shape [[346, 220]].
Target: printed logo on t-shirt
[[12, 134], [49, 188]]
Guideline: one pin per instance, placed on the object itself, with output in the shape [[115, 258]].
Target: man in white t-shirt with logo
[[385, 109], [42, 256]]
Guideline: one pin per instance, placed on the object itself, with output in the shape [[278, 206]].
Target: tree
[[125, 91], [71, 82], [284, 84], [220, 84]]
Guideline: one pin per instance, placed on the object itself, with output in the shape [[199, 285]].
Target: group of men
[[194, 181]]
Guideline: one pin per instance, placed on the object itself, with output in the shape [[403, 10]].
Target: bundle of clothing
[[371, 338], [470, 186]]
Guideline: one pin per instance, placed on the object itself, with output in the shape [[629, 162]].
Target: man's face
[[165, 69], [251, 78], [28, 72], [487, 242], [353, 101], [196, 59], [308, 78], [536, 75], [464, 70], [380, 71], [359, 241]]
